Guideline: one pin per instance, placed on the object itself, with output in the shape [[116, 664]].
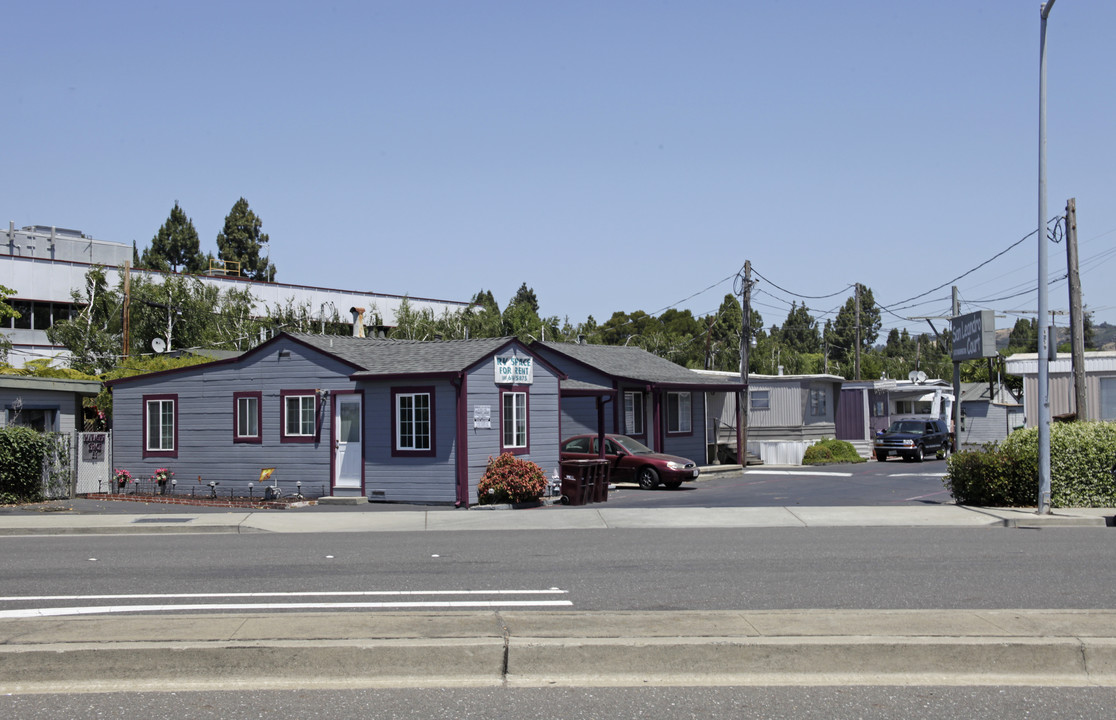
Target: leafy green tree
[[482, 317], [723, 346], [181, 310], [93, 335], [175, 247], [241, 240], [1024, 336], [6, 313]]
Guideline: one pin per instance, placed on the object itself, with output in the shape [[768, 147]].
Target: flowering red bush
[[508, 479]]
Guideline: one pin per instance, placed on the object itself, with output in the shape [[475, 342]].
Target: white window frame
[[759, 400], [679, 423], [162, 440], [408, 425], [513, 420], [305, 410], [247, 413], [633, 411]]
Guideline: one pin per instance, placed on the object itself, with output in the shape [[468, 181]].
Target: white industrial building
[[44, 264]]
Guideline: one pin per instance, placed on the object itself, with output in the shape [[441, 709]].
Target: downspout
[[462, 465]]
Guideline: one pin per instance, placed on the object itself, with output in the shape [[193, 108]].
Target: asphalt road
[[893, 482], [595, 570], [736, 703]]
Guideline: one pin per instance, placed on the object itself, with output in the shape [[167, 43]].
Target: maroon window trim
[[311, 438], [258, 437], [679, 433], [396, 451], [172, 453], [526, 390]]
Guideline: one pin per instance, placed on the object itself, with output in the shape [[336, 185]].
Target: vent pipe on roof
[[780, 369], [358, 321], [580, 339]]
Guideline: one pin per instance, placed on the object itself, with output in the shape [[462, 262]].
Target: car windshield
[[633, 446], [909, 426]]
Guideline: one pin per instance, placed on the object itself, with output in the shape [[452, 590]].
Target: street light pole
[[1043, 314]]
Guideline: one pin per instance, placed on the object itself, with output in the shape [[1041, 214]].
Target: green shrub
[[508, 479], [21, 464], [831, 451], [1082, 461], [990, 476]]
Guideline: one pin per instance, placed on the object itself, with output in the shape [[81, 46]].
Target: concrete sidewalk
[[303, 520], [545, 649]]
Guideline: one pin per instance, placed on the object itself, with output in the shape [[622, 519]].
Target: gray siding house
[[1100, 385], [986, 417], [786, 414], [400, 421], [44, 404], [658, 402], [867, 407]]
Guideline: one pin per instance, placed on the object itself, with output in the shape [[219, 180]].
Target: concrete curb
[[546, 649]]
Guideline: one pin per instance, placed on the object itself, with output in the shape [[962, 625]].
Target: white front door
[[348, 457]]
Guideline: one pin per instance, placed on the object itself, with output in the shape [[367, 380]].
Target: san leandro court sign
[[974, 336], [514, 370]]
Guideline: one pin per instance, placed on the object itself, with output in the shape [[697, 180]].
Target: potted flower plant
[[161, 476], [122, 477]]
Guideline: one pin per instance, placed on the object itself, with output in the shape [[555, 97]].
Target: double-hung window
[[299, 410], [513, 421], [413, 424], [678, 413], [160, 427], [248, 416], [633, 413]]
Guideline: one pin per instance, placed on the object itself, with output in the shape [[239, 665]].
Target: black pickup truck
[[912, 439]]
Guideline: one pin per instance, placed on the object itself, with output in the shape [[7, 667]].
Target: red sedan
[[631, 461]]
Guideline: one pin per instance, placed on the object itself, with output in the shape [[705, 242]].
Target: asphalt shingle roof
[[633, 363], [404, 357]]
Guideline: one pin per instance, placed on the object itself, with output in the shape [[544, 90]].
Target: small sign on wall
[[514, 370], [482, 417], [93, 446]]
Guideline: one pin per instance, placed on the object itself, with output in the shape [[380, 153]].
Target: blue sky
[[612, 155]]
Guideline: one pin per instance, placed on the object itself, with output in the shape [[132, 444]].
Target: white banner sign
[[513, 370]]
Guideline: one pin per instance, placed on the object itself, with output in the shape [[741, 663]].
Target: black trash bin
[[584, 481]]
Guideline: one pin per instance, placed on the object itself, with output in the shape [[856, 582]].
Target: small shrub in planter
[[509, 479], [831, 451]]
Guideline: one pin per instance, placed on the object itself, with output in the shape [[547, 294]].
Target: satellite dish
[[916, 376], [159, 345]]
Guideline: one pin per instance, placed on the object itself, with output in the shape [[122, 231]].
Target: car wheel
[[648, 478], [920, 453], [943, 454], [674, 485], [881, 455]]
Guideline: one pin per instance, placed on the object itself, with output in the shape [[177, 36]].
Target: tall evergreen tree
[[241, 241], [800, 330], [175, 247], [844, 329]]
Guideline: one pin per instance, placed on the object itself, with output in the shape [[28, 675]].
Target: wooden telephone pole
[[1077, 315], [745, 347]]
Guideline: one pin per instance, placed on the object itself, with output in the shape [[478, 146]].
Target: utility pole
[[856, 370], [1077, 315], [745, 347], [1043, 316], [127, 303], [956, 310]]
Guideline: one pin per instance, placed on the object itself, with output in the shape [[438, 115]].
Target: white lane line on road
[[926, 475], [253, 607], [798, 473], [308, 593]]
